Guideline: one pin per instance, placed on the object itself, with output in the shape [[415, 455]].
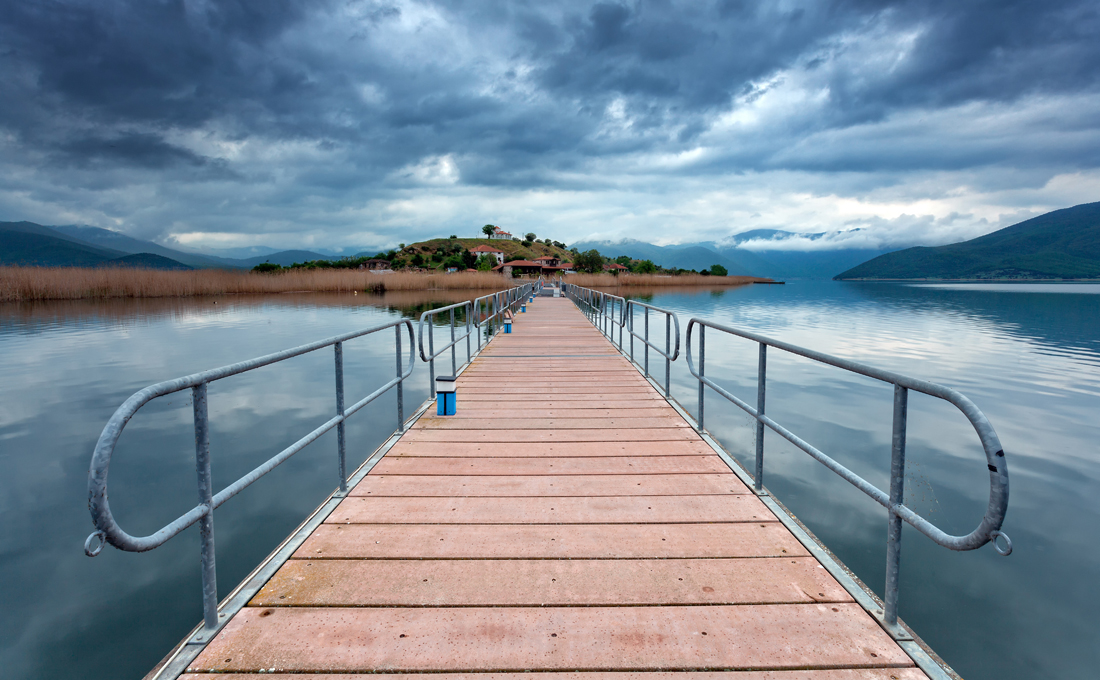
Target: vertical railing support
[[761, 383], [668, 352], [339, 351], [897, 497], [431, 363], [454, 350], [702, 371], [206, 498], [630, 309], [466, 311], [400, 384], [646, 309]]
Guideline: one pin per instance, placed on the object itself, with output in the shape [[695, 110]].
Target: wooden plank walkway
[[566, 520]]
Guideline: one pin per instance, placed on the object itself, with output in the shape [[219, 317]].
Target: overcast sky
[[227, 123]]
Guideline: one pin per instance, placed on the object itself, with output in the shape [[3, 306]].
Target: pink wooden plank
[[642, 465], [542, 510], [519, 638], [548, 449], [444, 541], [360, 583], [552, 486]]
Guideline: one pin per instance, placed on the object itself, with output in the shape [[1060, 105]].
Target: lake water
[[1029, 356]]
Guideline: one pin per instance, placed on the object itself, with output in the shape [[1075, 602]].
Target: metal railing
[[486, 311], [672, 339], [108, 530], [607, 312], [604, 310], [988, 531]]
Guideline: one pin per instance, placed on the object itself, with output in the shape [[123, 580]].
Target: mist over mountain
[[777, 262]]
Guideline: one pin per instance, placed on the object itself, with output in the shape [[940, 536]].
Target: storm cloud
[[296, 124]]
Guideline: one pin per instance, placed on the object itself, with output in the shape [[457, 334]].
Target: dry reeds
[[71, 283], [656, 280]]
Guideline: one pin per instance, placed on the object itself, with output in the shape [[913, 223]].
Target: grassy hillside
[[434, 251], [1064, 244]]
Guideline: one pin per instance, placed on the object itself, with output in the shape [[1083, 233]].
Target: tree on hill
[[718, 270], [590, 262], [488, 229], [530, 236]]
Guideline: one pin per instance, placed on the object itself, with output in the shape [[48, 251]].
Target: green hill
[[431, 253], [1064, 244]]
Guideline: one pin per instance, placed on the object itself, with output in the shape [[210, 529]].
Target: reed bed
[[71, 283], [656, 280]]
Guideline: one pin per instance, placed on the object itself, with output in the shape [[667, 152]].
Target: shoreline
[[29, 284]]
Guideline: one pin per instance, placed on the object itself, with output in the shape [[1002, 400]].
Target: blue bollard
[[446, 396], [508, 326], [522, 308]]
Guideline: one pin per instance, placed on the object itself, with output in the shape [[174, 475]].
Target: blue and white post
[[508, 322], [446, 395]]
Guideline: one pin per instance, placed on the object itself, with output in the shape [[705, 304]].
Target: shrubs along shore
[[657, 280], [71, 283]]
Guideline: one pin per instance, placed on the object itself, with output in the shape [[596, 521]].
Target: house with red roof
[[496, 253], [500, 234]]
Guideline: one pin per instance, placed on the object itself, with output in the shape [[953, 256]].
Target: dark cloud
[[359, 97], [142, 151]]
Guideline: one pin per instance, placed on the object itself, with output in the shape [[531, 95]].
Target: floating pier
[[566, 520]]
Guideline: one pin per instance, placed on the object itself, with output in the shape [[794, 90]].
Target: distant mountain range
[[27, 243], [1064, 244], [776, 264]]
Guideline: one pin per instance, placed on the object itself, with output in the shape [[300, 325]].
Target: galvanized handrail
[[672, 340], [600, 308], [604, 310], [432, 354], [108, 530], [501, 301], [988, 531]]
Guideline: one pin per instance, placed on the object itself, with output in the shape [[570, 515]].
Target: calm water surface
[[1028, 356]]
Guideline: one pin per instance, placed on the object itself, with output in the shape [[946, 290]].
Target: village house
[[496, 253], [615, 268], [377, 265], [548, 261], [500, 234], [519, 267]]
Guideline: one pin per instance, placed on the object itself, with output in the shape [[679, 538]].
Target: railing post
[[400, 383], [897, 497], [431, 362], [206, 497], [339, 351], [454, 350], [630, 311], [622, 314], [646, 309], [702, 367], [668, 351], [469, 329], [761, 382]]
